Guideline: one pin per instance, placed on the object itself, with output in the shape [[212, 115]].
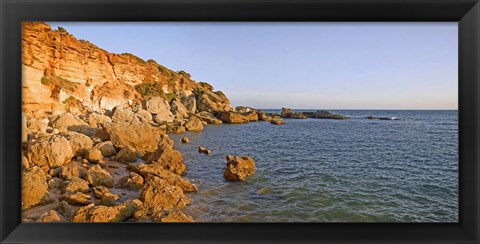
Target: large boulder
[[194, 124], [98, 120], [68, 122], [80, 143], [121, 114], [119, 213], [208, 118], [190, 103], [94, 156], [97, 176], [160, 108], [168, 158], [50, 151], [106, 148], [140, 137], [37, 125], [34, 188], [132, 181], [212, 102], [178, 109], [158, 196], [126, 155], [324, 114], [75, 185], [144, 116], [173, 179], [236, 117], [238, 168]]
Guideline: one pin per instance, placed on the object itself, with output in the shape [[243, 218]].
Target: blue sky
[[300, 65]]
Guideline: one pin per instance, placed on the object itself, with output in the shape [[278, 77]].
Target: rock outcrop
[[119, 213], [238, 168], [237, 117]]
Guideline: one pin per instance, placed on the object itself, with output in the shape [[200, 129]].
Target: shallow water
[[312, 170]]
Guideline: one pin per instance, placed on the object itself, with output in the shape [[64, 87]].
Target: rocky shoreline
[[95, 126]]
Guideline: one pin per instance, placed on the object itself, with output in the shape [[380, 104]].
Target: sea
[[320, 170]]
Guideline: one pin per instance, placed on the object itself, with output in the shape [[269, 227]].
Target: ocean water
[[313, 170]]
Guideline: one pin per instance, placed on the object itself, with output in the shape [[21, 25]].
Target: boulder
[[324, 114], [34, 188], [173, 179], [52, 216], [190, 103], [25, 163], [194, 124], [106, 197], [174, 129], [37, 125], [140, 137], [50, 151], [157, 196], [236, 118], [262, 116], [121, 114], [177, 216], [75, 185], [212, 102], [178, 109], [160, 108], [243, 109], [132, 181], [54, 183], [144, 116], [168, 158], [70, 171], [238, 168], [277, 122], [126, 155], [208, 118], [77, 198], [65, 209], [97, 176], [68, 122], [288, 113], [185, 139], [119, 213], [94, 156], [98, 120], [80, 143], [204, 150], [106, 148]]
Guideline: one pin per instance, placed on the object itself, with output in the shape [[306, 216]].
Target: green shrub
[[45, 80], [150, 89], [163, 70], [183, 73], [170, 96], [61, 29], [206, 86], [65, 84], [140, 60]]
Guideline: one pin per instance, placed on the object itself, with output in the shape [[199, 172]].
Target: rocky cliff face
[[60, 71]]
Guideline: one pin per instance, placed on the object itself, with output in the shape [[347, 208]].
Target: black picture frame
[[465, 12]]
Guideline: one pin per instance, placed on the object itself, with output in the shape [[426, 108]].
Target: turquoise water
[[354, 170]]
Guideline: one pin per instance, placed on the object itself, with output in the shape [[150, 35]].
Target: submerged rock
[[238, 168], [185, 139], [277, 122], [204, 150]]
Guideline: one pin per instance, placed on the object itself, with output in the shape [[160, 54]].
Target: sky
[[303, 65]]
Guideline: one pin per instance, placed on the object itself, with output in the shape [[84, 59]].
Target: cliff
[[60, 71]]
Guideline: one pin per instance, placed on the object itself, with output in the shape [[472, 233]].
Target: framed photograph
[[239, 121]]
